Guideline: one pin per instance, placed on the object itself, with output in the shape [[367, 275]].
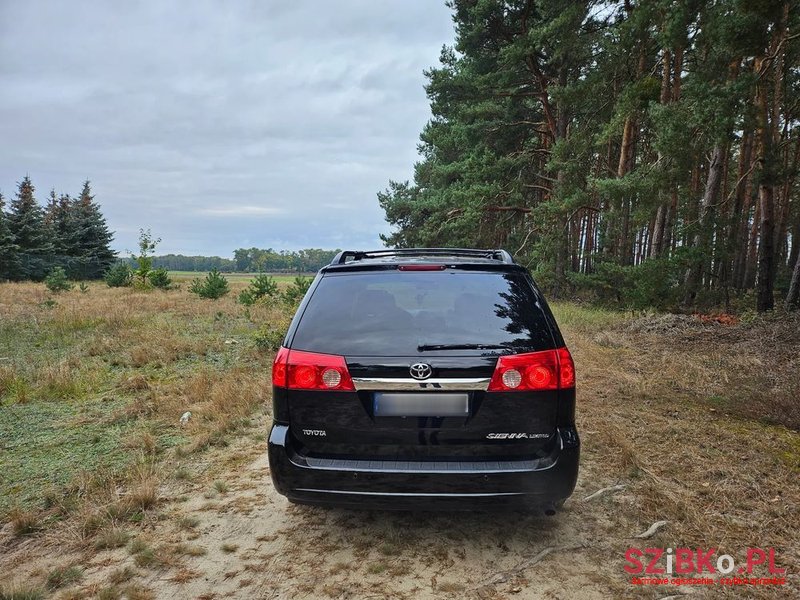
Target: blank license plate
[[421, 405]]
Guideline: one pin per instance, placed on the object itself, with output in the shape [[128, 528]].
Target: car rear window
[[394, 313]]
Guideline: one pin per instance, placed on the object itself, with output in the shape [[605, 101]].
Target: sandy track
[[287, 551]]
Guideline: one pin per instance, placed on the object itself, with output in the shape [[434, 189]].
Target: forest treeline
[[67, 232], [253, 260], [643, 152], [249, 260]]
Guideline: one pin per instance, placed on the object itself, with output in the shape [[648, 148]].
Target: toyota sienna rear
[[423, 379]]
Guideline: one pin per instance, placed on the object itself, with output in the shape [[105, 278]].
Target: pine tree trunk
[[736, 219], [749, 280], [766, 249], [794, 254], [702, 238], [790, 166], [657, 238], [793, 297]]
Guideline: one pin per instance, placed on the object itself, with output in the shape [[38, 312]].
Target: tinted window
[[393, 313]]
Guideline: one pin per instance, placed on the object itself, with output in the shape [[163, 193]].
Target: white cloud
[[241, 211]]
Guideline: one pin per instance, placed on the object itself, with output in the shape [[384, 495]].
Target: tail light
[[299, 370], [421, 268], [547, 370]]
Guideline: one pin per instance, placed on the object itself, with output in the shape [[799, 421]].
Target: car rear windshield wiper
[[429, 347]]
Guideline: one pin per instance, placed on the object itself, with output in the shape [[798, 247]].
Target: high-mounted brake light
[[421, 268], [298, 370], [547, 370]]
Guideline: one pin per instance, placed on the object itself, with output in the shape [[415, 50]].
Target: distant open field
[[104, 494], [280, 278]]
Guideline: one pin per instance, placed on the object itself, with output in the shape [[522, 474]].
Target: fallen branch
[[606, 490], [506, 576], [651, 531]]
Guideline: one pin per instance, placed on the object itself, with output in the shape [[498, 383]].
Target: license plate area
[[437, 404]]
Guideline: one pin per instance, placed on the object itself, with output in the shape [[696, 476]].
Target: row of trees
[[70, 233], [248, 260], [254, 260], [648, 150], [180, 262]]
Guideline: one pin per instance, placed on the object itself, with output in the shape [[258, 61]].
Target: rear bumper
[[542, 482]]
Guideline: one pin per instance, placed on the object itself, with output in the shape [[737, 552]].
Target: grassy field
[[97, 382], [103, 493], [280, 278]]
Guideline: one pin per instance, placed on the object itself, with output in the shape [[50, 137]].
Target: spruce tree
[[8, 247], [56, 230], [26, 222], [92, 239]]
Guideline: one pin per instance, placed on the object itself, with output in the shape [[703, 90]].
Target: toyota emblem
[[420, 371]]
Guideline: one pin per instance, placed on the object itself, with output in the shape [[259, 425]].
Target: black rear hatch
[[451, 325]]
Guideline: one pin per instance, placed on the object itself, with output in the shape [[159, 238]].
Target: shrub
[[83, 287], [653, 284], [295, 292], [56, 281], [261, 286], [119, 275], [213, 286], [270, 336], [159, 278]]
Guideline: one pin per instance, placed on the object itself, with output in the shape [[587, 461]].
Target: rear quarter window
[[392, 313]]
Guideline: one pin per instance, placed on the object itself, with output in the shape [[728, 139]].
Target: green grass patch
[[45, 444], [280, 278], [583, 318]]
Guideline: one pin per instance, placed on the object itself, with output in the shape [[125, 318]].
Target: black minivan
[[423, 379]]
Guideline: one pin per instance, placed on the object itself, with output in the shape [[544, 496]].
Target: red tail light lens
[[299, 370], [547, 370], [279, 367], [566, 369]]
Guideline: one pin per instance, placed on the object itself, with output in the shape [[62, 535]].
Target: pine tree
[[8, 247], [26, 222], [644, 150]]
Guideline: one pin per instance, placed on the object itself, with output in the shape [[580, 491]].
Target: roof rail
[[353, 255]]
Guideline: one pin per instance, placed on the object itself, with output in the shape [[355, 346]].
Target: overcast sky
[[219, 125]]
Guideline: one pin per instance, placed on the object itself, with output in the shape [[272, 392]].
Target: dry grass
[[122, 575], [111, 538], [25, 522], [651, 411], [185, 575], [63, 576], [188, 522], [152, 350], [20, 591], [139, 592]]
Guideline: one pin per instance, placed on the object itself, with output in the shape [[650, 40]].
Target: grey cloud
[[219, 124]]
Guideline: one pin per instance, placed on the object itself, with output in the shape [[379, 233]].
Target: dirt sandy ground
[[714, 478]]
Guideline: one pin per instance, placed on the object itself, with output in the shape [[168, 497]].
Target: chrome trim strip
[[442, 466], [406, 383]]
